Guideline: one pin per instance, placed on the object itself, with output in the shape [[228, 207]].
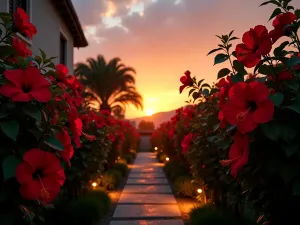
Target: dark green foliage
[[122, 167], [87, 210], [128, 158], [185, 187], [174, 170], [208, 215], [108, 181]]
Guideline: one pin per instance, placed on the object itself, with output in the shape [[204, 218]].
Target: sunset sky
[[163, 38]]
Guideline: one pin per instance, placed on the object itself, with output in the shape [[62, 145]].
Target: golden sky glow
[[162, 39]]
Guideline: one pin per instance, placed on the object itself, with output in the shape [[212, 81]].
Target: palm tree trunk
[[105, 106]]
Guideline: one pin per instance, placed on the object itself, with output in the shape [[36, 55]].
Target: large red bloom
[[40, 176], [26, 85], [21, 48], [68, 151], [238, 154], [256, 43], [279, 23], [22, 24], [186, 80], [186, 142], [248, 106]]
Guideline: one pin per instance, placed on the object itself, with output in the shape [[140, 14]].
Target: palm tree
[[111, 85]]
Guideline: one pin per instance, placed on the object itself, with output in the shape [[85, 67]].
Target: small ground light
[[199, 190], [155, 148], [94, 184], [167, 159]]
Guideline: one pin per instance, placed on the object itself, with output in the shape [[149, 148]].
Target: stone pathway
[[147, 198]]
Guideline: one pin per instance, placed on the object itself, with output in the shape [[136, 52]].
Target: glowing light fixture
[[199, 190], [167, 159], [94, 184], [155, 148]]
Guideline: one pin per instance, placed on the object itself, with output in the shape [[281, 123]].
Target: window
[[63, 49], [14, 4]]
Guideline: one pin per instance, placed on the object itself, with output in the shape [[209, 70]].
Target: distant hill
[[156, 118]]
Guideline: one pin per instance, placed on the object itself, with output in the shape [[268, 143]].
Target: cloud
[[163, 38]]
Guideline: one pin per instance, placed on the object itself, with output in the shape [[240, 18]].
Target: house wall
[[49, 25], [145, 144]]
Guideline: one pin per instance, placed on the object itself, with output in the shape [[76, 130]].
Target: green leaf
[[33, 111], [231, 32], [10, 129], [265, 3], [293, 61], [290, 149], [276, 12], [279, 49], [199, 82], [237, 78], [292, 85], [5, 17], [191, 91], [214, 50], [297, 13], [43, 54], [233, 38], [271, 130], [295, 106], [288, 172], [221, 58], [266, 70], [277, 99], [239, 67], [205, 85], [290, 8], [3, 113], [223, 72], [54, 143], [38, 59], [9, 166], [296, 188], [205, 92]]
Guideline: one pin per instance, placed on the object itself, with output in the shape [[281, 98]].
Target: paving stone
[[147, 198], [147, 175], [147, 170], [144, 211], [148, 222], [147, 181], [147, 189]]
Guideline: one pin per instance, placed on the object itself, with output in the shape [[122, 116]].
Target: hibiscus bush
[[242, 142], [52, 144]]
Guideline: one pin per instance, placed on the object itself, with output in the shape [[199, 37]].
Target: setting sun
[[149, 112]]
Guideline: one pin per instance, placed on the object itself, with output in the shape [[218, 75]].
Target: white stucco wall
[[49, 25]]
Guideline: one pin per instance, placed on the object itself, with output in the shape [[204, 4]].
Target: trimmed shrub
[[122, 167], [116, 173], [174, 170], [208, 215], [161, 157], [108, 181], [184, 186], [86, 210], [101, 196], [128, 158]]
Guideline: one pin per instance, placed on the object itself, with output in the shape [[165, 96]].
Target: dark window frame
[[62, 49], [13, 4]]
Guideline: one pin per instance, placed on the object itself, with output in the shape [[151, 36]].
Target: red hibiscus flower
[[223, 122], [224, 85], [186, 80], [238, 154], [26, 85], [111, 137], [22, 24], [279, 24], [285, 75], [248, 106], [68, 151], [40, 176], [186, 142], [256, 43], [76, 129], [21, 48]]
